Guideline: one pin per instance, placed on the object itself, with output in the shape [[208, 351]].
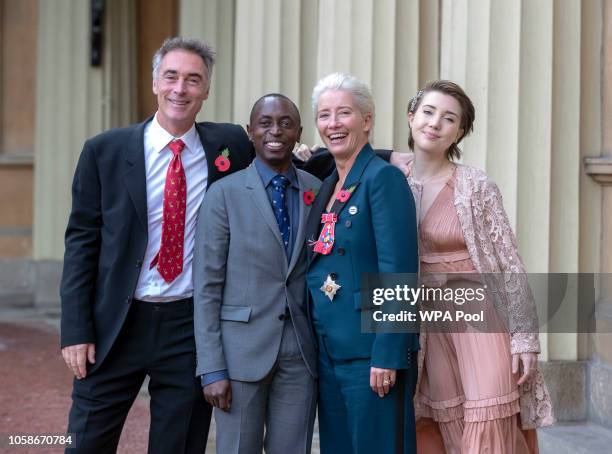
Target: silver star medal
[[330, 287]]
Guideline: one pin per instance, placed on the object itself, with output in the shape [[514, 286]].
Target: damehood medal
[[330, 287]]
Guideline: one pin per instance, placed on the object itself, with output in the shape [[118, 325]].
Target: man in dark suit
[[126, 290]]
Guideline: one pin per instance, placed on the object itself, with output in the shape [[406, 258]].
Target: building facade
[[539, 72]]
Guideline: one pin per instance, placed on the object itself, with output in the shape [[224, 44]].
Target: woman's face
[[436, 124], [340, 123]]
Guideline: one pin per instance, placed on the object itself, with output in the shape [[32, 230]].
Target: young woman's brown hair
[[467, 111]]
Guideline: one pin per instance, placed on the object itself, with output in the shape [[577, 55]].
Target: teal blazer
[[376, 232]]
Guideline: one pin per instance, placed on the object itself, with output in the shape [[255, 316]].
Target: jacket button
[[138, 263], [128, 299], [334, 276], [341, 251], [348, 223]]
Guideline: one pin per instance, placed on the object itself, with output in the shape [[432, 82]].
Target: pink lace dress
[[467, 386]]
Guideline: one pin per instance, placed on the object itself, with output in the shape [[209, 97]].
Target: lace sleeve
[[522, 315]]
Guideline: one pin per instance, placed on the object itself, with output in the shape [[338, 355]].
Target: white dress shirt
[[151, 286]]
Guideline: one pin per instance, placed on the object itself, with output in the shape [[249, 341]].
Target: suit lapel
[[134, 177], [212, 144], [313, 223], [260, 199], [301, 233], [353, 178]]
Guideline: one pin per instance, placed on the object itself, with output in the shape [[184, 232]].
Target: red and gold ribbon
[[325, 243]]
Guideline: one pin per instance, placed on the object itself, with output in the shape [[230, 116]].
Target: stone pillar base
[[48, 274], [567, 384], [16, 279], [599, 376], [25, 283]]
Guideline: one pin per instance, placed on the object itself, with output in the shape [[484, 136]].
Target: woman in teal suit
[[362, 221]]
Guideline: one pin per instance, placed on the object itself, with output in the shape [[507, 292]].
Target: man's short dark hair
[[278, 96]]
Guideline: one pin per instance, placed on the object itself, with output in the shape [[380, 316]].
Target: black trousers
[[156, 340]]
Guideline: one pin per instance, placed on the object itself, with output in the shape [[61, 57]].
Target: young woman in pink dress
[[481, 391]]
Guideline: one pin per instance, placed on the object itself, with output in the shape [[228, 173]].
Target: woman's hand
[[530, 364], [381, 380]]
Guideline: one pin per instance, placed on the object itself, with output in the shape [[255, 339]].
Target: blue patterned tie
[[279, 206]]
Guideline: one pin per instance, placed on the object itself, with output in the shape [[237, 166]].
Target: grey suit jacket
[[243, 280]]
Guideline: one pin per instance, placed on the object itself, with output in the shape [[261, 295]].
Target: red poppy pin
[[222, 163], [309, 197], [345, 194]]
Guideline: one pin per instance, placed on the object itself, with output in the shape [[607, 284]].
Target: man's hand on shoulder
[[401, 161], [219, 394], [76, 357]]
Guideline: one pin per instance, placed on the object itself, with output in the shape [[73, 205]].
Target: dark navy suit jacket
[[106, 235]]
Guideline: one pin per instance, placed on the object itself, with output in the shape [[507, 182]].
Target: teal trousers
[[353, 419]]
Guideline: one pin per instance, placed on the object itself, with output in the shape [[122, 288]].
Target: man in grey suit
[[255, 349]]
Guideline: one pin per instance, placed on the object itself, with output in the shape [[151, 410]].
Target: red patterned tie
[[169, 259]]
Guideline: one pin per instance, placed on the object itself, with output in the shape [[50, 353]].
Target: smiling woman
[[342, 126], [470, 386], [366, 380]]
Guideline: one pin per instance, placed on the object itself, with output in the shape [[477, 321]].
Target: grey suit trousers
[[283, 403]]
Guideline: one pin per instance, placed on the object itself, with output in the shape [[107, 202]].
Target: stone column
[[520, 63], [392, 45], [213, 21], [565, 164], [69, 109], [600, 367], [268, 56], [600, 170], [273, 45], [529, 68], [120, 67], [74, 102], [480, 50]]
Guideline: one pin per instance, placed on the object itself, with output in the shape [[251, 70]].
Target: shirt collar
[[160, 138], [266, 173]]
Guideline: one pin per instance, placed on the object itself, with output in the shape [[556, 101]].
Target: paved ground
[[35, 386]]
